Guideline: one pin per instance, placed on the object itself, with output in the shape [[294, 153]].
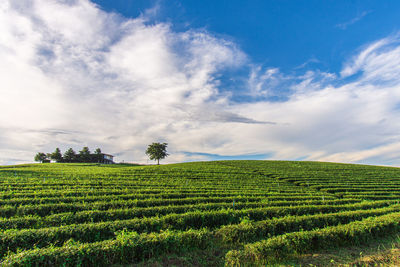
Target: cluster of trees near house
[[155, 151], [71, 156]]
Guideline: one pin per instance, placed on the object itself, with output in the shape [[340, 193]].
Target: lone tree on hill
[[56, 155], [40, 156], [157, 151]]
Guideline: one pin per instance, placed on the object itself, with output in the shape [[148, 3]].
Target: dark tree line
[[155, 151], [71, 156]]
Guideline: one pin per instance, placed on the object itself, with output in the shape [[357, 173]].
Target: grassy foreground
[[232, 213]]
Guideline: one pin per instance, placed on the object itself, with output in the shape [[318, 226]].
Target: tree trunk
[[158, 161]]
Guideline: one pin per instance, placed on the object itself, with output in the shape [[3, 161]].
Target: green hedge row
[[60, 197], [279, 247], [128, 247], [253, 231], [144, 199], [11, 240], [45, 209], [89, 192], [34, 221]]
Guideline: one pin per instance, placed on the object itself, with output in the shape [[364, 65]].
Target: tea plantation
[[252, 212]]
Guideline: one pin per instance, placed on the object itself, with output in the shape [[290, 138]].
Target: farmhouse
[[104, 158]]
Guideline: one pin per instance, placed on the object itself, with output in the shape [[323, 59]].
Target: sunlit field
[[238, 212]]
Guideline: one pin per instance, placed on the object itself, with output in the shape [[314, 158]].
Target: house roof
[[102, 154]]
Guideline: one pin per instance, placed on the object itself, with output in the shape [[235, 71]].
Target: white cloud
[[351, 122], [103, 79], [377, 61], [262, 82], [346, 24], [74, 75]]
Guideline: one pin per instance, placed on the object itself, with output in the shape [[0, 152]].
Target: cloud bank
[[73, 75]]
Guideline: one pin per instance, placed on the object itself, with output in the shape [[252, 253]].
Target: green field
[[205, 213]]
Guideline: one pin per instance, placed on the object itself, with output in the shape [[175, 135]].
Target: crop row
[[130, 213], [44, 209], [360, 190], [373, 197], [182, 186], [173, 197], [31, 194], [11, 240], [126, 248], [130, 247], [279, 247]]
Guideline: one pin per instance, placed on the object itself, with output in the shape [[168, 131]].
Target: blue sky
[[310, 80], [294, 36], [286, 34]]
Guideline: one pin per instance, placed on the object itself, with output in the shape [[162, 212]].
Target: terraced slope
[[256, 211]]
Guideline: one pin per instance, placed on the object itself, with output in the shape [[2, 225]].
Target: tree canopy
[[56, 155], [70, 155], [157, 151], [40, 156], [98, 155], [84, 156]]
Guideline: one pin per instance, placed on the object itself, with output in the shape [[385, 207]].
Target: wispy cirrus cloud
[[378, 61], [311, 61], [354, 20]]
